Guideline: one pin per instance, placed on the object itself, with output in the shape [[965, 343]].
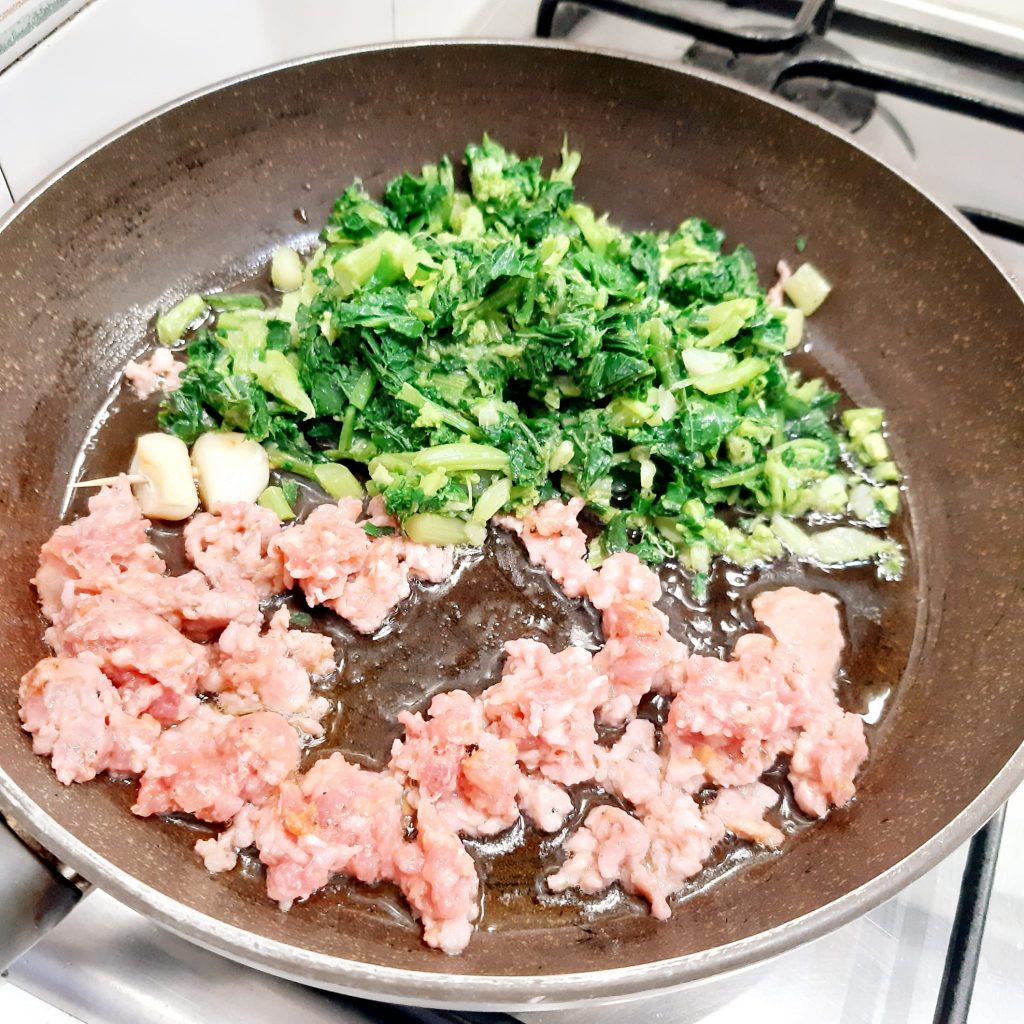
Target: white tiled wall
[[118, 59], [434, 19], [438, 19]]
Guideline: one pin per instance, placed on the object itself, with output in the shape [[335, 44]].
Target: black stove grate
[[794, 58]]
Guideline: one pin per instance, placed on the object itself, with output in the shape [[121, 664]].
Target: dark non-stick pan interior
[[919, 321]]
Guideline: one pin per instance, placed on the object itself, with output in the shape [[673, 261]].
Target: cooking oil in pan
[[450, 635]]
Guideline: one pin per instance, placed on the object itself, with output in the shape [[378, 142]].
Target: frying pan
[[921, 322]]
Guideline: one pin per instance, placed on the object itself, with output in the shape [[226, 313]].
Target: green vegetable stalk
[[466, 354]]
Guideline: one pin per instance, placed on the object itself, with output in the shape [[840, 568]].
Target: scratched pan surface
[[920, 321]]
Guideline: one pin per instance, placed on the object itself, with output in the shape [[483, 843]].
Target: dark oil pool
[[450, 635]]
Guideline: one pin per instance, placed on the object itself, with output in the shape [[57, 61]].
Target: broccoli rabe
[[469, 352]]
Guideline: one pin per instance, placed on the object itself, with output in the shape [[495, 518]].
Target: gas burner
[[848, 106]]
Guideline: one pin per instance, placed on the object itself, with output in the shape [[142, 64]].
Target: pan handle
[[35, 895]]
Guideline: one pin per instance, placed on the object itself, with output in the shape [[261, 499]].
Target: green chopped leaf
[[473, 353], [170, 326], [275, 499], [222, 301], [338, 481], [278, 376]]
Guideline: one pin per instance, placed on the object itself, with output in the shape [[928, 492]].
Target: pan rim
[[503, 992]]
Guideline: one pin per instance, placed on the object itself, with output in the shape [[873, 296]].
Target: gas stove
[[938, 94]]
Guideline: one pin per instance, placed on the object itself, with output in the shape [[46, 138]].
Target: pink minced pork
[[214, 764], [639, 655], [635, 666], [469, 775], [544, 803], [428, 562], [775, 695], [622, 579], [682, 838], [190, 603], [108, 551], [337, 818], [830, 746], [776, 294], [441, 884], [340, 819], [380, 585], [809, 642], [545, 704], [729, 713], [467, 765], [632, 767], [553, 538], [654, 853], [611, 847], [76, 718], [825, 759], [110, 540], [272, 670], [742, 809], [324, 551], [635, 770], [160, 372], [362, 579], [154, 667], [234, 545], [652, 856]]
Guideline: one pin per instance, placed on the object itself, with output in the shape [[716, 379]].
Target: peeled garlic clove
[[229, 467], [166, 489]]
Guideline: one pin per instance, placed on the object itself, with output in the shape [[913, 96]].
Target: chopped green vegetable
[[492, 500], [840, 545], [278, 376], [222, 302], [286, 269], [794, 322], [867, 443], [430, 528], [338, 481], [731, 378], [170, 326], [807, 289], [801, 243], [274, 498], [478, 352]]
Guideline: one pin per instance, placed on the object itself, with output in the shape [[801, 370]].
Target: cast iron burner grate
[[847, 106], [795, 58]]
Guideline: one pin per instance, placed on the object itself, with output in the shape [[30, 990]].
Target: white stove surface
[[116, 59]]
